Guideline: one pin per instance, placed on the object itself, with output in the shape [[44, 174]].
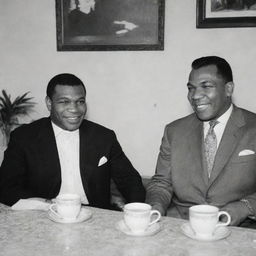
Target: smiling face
[[208, 92], [67, 106]]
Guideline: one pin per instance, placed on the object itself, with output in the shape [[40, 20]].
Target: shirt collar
[[223, 119], [57, 130]]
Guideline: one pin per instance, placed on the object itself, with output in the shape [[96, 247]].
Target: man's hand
[[238, 212], [159, 208]]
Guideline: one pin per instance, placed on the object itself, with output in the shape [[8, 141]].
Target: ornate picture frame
[[110, 25], [226, 13]]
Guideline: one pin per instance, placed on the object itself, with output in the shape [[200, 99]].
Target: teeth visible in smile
[[201, 107], [72, 118]]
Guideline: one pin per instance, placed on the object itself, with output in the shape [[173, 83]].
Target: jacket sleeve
[[13, 173], [159, 189], [125, 176]]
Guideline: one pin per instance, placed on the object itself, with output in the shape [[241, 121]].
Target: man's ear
[[229, 87], [86, 108], [48, 103]]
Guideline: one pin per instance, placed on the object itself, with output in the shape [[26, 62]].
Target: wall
[[134, 93]]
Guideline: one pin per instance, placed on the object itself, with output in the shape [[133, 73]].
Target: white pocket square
[[246, 152], [102, 161]]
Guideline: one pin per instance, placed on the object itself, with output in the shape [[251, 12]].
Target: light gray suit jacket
[[181, 178]]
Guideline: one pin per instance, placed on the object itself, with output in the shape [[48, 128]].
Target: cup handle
[[224, 223], [53, 211], [157, 218]]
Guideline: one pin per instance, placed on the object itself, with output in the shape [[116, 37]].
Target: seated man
[[65, 153], [209, 156]]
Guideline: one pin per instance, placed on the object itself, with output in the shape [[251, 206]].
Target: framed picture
[[226, 13], [110, 25]]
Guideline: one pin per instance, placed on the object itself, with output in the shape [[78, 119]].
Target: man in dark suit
[[65, 153], [209, 156]]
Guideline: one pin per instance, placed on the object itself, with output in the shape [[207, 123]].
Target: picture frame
[[110, 25], [225, 13]]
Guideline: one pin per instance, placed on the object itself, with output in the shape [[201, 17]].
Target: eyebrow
[[68, 98], [202, 82]]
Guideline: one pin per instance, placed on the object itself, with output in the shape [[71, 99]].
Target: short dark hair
[[222, 65], [63, 79]]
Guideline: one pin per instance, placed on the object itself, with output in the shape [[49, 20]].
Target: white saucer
[[151, 230], [220, 233], [84, 214]]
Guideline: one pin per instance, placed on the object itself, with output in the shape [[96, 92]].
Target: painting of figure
[[110, 22], [225, 5], [226, 13]]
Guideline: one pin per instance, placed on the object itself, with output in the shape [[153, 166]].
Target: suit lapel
[[48, 147], [195, 147], [87, 155], [84, 150], [49, 154], [230, 138]]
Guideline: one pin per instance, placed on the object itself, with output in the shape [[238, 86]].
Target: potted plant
[[10, 112]]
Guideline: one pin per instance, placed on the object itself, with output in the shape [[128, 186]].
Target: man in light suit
[[183, 177], [65, 153]]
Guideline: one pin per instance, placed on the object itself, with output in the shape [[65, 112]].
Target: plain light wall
[[134, 93]]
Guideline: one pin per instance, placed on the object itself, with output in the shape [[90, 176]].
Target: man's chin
[[72, 127], [204, 117]]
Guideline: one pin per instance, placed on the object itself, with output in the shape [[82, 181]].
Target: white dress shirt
[[69, 151], [220, 126]]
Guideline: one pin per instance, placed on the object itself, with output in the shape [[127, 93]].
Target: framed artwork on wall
[[226, 13], [110, 25]]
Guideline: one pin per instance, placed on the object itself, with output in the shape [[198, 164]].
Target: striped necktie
[[210, 146]]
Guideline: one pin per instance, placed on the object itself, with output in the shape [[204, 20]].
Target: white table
[[32, 233]]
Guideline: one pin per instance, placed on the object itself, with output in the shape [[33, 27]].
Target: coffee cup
[[137, 216], [204, 219], [66, 206]]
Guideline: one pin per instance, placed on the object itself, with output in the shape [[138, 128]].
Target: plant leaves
[[10, 111]]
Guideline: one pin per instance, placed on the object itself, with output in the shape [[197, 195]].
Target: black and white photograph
[[127, 128]]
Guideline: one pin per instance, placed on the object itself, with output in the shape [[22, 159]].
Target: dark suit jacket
[[31, 165], [181, 178]]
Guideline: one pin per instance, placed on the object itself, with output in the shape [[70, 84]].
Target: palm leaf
[[6, 99], [22, 99], [10, 111]]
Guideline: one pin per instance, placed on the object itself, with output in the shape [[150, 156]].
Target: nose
[[72, 107], [197, 94]]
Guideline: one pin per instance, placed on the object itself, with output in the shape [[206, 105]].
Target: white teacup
[[137, 216], [67, 206], [204, 219]]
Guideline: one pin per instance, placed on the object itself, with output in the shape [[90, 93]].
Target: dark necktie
[[210, 146]]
